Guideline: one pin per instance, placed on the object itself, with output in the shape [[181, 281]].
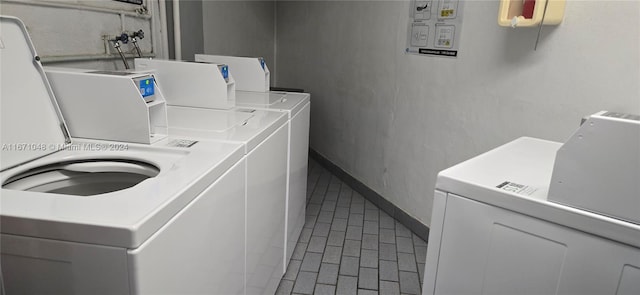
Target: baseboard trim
[[411, 223]]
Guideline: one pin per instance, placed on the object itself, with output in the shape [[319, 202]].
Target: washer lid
[[31, 122]]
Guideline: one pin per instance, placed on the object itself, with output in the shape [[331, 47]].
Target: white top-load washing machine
[[103, 217], [252, 82], [264, 133], [541, 217]]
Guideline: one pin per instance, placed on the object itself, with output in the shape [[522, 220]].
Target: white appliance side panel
[[41, 266], [298, 166], [201, 249], [501, 252], [266, 197], [433, 245]]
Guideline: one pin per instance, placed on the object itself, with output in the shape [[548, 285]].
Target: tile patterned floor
[[350, 246]]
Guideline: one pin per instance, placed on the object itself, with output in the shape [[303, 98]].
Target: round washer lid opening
[[83, 177]]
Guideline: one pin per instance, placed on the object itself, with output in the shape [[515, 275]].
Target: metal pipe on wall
[[177, 40], [122, 26], [164, 28], [151, 9], [89, 57], [77, 7]]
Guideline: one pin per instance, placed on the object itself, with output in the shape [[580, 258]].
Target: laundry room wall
[[241, 28], [393, 120], [191, 29], [70, 32]]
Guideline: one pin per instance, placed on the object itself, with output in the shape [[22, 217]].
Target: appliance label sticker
[[516, 188], [182, 143]]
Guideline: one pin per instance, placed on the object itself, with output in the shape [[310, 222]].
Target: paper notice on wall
[[434, 27]]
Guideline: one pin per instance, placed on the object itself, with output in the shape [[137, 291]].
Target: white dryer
[[496, 229], [97, 217], [252, 80]]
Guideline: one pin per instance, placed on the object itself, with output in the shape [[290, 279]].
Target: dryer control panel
[[598, 168]]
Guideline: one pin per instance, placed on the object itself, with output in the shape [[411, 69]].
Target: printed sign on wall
[[434, 27]]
